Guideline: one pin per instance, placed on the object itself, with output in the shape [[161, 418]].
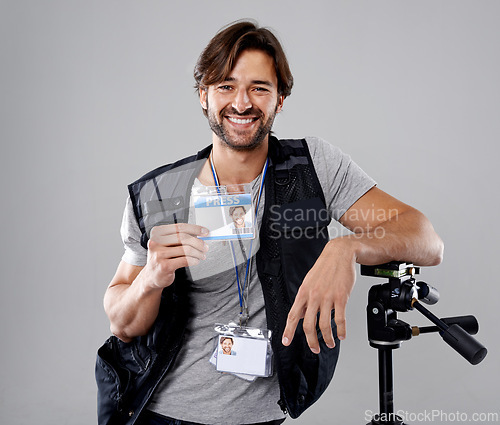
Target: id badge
[[243, 351], [225, 212]]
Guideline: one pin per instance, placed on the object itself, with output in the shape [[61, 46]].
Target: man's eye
[[225, 87], [261, 89]]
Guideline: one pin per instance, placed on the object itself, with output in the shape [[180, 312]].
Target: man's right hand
[[171, 247]]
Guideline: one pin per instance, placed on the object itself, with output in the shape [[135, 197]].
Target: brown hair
[[219, 57], [233, 209]]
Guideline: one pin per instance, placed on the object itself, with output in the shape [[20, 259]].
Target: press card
[[226, 215], [243, 351]]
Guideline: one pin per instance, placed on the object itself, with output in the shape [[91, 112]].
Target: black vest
[[292, 236]]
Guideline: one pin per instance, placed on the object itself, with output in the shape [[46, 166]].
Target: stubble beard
[[239, 143]]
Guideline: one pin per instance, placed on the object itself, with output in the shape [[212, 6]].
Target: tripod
[[386, 332]]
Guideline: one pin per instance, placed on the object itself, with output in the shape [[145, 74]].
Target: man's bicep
[[372, 209]]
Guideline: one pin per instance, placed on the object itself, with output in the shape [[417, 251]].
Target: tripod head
[[403, 293]]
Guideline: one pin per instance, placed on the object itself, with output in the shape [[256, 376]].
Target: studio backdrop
[[93, 94]]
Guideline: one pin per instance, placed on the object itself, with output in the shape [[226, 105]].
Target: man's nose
[[241, 101]]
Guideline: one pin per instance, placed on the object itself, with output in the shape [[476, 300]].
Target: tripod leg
[[385, 382], [386, 390]]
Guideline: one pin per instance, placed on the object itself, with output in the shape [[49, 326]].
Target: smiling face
[[238, 216], [227, 345], [241, 109]]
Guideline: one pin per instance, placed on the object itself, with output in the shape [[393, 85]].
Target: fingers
[[192, 229], [172, 230], [309, 326], [185, 251], [340, 321], [295, 314], [310, 315], [177, 263], [181, 234], [325, 325], [300, 310]]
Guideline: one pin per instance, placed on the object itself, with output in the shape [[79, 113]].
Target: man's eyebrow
[[259, 82], [263, 83]]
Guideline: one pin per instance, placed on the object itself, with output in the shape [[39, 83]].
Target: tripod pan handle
[[467, 346]]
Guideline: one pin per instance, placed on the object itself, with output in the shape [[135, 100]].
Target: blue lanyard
[[241, 289]]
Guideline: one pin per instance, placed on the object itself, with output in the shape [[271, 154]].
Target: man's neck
[[238, 167]]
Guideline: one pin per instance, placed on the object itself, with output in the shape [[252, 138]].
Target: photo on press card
[[242, 355], [226, 216], [226, 346]]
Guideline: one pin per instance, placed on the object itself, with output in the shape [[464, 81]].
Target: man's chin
[[243, 145]]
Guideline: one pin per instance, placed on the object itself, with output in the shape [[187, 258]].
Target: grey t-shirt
[[194, 390]]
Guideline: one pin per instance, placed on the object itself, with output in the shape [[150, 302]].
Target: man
[[171, 287], [239, 224], [226, 344]]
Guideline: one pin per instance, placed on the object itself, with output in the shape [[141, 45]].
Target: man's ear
[[203, 97], [279, 106]]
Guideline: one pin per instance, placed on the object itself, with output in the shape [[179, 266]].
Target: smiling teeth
[[238, 121]]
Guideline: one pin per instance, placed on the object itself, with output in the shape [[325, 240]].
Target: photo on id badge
[[242, 355], [226, 216]]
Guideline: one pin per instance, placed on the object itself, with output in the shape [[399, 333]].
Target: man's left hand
[[326, 286]]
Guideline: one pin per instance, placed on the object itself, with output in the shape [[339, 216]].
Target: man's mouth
[[241, 120]]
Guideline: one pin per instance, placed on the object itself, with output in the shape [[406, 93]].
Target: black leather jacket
[[290, 242]]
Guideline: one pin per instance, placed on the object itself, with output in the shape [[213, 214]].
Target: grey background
[[95, 93]]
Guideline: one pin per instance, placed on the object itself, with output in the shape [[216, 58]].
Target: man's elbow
[[120, 334], [127, 331], [435, 249], [433, 245], [438, 251]]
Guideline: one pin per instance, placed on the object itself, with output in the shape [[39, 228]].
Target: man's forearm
[[131, 309], [408, 236]]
